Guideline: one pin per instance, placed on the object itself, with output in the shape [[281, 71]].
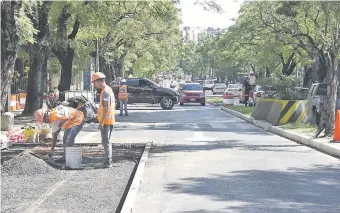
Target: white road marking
[[198, 136], [49, 192], [162, 126], [217, 125], [190, 126], [87, 137]]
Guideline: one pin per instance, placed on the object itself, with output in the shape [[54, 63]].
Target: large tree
[[39, 53]]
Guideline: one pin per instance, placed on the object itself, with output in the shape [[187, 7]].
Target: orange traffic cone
[[336, 136], [17, 102]]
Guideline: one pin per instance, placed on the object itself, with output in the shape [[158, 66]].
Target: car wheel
[[167, 103], [181, 104], [203, 104]]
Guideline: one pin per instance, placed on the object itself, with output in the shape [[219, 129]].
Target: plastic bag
[[90, 111]]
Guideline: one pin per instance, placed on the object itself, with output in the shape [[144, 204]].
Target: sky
[[195, 16]]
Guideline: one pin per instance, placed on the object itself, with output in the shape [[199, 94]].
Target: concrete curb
[[322, 147], [214, 104], [131, 195]]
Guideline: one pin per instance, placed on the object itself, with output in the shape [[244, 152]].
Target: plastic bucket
[[73, 157]]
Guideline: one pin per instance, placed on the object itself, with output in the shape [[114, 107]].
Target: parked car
[[219, 88], [192, 93], [315, 95], [141, 90], [208, 84], [258, 92], [233, 89]]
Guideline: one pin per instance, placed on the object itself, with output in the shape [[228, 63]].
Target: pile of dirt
[[25, 164]]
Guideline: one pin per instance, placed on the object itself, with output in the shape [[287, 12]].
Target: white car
[[233, 89], [258, 92], [219, 88]]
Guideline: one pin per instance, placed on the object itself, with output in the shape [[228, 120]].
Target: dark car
[[141, 90], [192, 93]]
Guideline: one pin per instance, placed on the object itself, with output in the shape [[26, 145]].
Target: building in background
[[196, 33]]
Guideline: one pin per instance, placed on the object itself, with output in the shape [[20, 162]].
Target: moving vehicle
[[192, 93], [233, 89], [219, 88], [143, 90]]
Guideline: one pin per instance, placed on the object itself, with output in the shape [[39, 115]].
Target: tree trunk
[[39, 54], [307, 76], [64, 52], [66, 60], [9, 47], [332, 88], [322, 67], [36, 82]]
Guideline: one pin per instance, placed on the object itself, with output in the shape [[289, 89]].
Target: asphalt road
[[206, 160]]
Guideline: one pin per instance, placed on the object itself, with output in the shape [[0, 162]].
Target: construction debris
[[25, 164]]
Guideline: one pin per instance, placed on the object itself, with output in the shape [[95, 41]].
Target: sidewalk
[[321, 144]]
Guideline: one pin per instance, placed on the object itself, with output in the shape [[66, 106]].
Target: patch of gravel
[[87, 191], [25, 164]]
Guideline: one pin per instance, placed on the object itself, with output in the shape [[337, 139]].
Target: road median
[[322, 145]]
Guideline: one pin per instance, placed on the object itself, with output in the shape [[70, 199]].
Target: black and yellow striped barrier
[[293, 112], [280, 112]]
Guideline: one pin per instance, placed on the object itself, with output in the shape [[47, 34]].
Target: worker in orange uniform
[[62, 117], [106, 114], [123, 97]]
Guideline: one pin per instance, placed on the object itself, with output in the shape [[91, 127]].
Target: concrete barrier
[[287, 111], [262, 108]]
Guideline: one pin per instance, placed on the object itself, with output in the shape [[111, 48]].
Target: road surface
[[206, 160]]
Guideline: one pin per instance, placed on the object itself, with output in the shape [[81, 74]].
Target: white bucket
[[73, 157]]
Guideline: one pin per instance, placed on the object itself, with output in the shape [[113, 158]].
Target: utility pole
[[97, 55]]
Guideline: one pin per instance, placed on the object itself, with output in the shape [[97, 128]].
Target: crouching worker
[[62, 117]]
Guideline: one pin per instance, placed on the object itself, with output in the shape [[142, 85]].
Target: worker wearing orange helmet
[[106, 114], [67, 118]]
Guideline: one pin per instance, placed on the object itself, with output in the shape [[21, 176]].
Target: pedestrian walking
[[106, 114], [60, 118], [123, 97], [246, 91]]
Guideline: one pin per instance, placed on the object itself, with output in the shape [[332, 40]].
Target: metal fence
[[18, 85], [88, 94]]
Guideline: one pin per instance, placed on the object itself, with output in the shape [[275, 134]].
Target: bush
[[283, 88]]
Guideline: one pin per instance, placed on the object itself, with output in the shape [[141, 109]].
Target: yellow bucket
[[30, 135]]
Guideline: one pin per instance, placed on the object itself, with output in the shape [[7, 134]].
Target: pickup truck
[[143, 90], [315, 94]]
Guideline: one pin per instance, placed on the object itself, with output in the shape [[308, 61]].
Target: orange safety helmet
[[97, 76]]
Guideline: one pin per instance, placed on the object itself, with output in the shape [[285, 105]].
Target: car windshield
[[232, 86], [220, 86], [322, 90], [260, 89], [192, 87]]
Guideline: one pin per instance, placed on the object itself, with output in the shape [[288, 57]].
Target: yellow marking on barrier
[[283, 103], [289, 113], [267, 100], [302, 116]]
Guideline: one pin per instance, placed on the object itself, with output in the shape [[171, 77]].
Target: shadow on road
[[295, 190]]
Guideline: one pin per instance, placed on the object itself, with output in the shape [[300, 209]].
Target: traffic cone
[[336, 136]]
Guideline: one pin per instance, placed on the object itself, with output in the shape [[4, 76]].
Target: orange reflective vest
[[109, 118], [122, 93], [72, 116]]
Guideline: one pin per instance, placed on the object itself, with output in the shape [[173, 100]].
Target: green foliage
[[283, 87], [25, 26]]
